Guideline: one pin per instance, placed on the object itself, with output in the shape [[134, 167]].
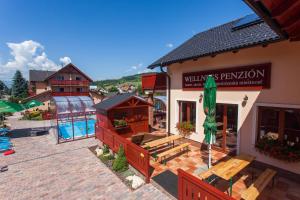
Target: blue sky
[[105, 38]]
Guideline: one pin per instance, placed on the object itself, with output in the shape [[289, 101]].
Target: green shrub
[[120, 164], [106, 157], [34, 114], [105, 149]]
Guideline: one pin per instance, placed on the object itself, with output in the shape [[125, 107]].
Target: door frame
[[238, 103]]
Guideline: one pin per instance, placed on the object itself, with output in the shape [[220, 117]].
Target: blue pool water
[[66, 130]]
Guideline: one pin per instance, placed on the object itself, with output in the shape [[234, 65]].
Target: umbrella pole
[[209, 153]]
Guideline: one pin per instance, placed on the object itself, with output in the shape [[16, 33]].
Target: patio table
[[161, 141], [232, 167]]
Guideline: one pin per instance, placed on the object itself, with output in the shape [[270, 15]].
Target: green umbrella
[[10, 107], [33, 103], [209, 106]]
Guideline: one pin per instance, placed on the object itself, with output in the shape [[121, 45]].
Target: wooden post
[[151, 110], [180, 185], [225, 121]]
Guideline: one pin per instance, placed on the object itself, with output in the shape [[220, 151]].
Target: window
[[278, 133], [187, 112], [78, 78], [60, 77], [282, 124], [78, 89], [61, 89]]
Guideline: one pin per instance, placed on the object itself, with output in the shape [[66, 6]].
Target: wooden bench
[[162, 141], [162, 156], [259, 185]]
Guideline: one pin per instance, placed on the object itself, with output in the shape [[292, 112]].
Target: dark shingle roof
[[219, 39], [114, 101], [39, 75]]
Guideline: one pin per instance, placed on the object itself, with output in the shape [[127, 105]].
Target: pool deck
[[41, 169]]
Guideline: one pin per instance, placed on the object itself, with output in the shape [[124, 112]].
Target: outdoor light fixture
[[200, 98], [244, 102]]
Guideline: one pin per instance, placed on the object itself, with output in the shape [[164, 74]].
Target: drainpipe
[[169, 100]]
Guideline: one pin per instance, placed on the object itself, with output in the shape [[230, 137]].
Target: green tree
[[120, 164], [20, 86], [3, 88], [113, 89], [140, 89]]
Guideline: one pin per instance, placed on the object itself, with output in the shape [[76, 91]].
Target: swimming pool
[[66, 129]]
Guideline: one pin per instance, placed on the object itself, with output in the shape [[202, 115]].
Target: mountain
[[109, 83]]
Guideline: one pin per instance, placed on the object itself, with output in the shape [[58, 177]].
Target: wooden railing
[[136, 156], [69, 82], [191, 187], [70, 93]]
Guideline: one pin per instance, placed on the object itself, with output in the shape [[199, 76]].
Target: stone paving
[[41, 169], [283, 188]]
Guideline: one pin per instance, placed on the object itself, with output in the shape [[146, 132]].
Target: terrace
[[195, 161], [157, 155]]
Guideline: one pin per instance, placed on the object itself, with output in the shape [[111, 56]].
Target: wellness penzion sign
[[245, 77]]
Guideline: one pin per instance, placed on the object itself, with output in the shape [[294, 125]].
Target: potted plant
[[120, 123], [274, 148], [185, 128]]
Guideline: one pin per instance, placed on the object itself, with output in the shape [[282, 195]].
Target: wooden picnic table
[[161, 141], [232, 167]]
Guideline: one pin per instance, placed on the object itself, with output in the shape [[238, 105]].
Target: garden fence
[[191, 187], [136, 156]]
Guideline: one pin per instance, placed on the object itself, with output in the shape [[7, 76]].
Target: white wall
[[285, 82]]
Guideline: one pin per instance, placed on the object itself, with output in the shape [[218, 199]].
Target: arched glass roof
[[73, 104]]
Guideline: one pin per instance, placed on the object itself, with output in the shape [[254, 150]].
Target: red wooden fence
[[136, 156], [190, 188]]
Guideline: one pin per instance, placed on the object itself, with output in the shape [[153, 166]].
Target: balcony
[[70, 93], [69, 83], [154, 81]]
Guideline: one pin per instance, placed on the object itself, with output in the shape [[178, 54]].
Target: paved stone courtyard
[[283, 187], [41, 169]]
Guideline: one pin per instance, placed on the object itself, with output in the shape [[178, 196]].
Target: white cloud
[[134, 67], [138, 69], [65, 60], [145, 71], [169, 45], [27, 55]]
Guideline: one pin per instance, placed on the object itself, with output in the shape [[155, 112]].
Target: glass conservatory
[[75, 117]]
